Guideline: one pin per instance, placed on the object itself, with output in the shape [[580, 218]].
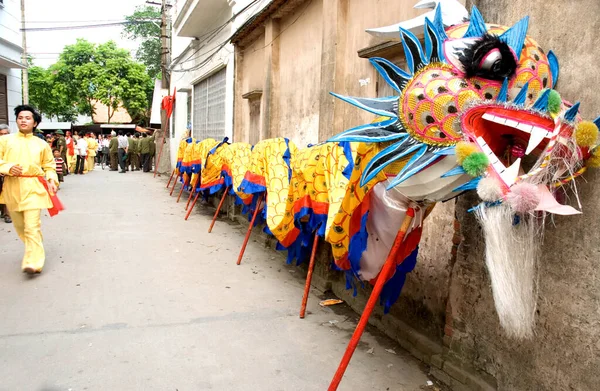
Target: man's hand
[[16, 170], [52, 188]]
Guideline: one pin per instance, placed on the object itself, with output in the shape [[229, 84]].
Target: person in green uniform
[[152, 152], [113, 149], [145, 151], [61, 145], [129, 160], [136, 140]]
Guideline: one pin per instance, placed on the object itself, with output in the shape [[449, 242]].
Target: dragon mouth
[[512, 138]]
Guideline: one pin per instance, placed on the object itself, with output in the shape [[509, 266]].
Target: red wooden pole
[[169, 183], [311, 267], [175, 183], [189, 212], [187, 182], [192, 192], [218, 209], [243, 249], [390, 262]]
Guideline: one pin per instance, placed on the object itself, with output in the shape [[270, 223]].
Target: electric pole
[[165, 60], [25, 72], [164, 37]]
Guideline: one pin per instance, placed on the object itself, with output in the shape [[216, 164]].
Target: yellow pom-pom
[[586, 134], [464, 149], [594, 160]]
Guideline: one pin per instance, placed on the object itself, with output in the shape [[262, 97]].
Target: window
[[3, 99], [209, 107]]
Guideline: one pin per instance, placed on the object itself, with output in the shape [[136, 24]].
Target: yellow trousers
[[90, 163], [71, 161], [28, 226]]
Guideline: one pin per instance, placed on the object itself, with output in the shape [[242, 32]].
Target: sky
[[46, 45]]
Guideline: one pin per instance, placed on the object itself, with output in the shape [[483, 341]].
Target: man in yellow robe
[[25, 160], [92, 149]]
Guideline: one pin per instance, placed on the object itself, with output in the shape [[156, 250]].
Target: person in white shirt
[[81, 152], [123, 148]]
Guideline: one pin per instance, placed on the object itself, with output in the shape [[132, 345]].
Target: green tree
[[76, 71], [145, 26], [86, 73], [50, 97]]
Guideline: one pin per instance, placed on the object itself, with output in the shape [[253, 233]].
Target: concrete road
[[135, 298]]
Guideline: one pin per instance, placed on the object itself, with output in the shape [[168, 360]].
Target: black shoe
[[122, 172]]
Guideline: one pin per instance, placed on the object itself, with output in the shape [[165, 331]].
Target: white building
[[10, 60], [202, 66]]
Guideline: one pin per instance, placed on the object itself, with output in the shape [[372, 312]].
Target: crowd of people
[[79, 153]]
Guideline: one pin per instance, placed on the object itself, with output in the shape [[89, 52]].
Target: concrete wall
[[10, 22], [300, 76], [358, 77], [564, 354], [250, 71], [10, 47]]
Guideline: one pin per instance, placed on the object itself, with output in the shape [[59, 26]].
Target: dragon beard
[[512, 255]]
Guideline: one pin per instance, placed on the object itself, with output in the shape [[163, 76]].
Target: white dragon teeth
[[537, 136], [537, 133], [509, 175], [496, 163], [524, 127]]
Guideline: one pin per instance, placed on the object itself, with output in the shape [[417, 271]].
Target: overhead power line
[[87, 26], [75, 21]]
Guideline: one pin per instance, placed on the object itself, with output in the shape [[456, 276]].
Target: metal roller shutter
[[209, 107]]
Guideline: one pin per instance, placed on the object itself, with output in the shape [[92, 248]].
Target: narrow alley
[[135, 298]]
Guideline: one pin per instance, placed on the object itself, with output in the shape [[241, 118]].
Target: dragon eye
[[486, 57], [491, 62]]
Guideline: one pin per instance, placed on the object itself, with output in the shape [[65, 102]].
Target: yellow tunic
[[35, 157], [92, 146]]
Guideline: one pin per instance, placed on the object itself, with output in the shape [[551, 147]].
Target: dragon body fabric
[[474, 110]]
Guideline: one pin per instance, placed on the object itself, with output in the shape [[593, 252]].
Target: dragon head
[[475, 102]]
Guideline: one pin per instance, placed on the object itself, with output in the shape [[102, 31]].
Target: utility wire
[[81, 21], [86, 26]]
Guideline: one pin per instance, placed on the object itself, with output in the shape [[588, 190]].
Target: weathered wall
[[250, 70], [299, 76], [564, 354], [359, 76]]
